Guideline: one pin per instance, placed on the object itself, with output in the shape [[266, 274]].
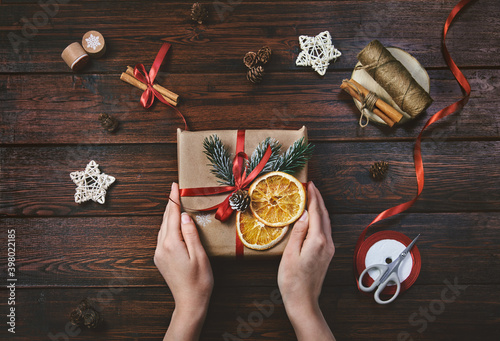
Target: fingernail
[[171, 186], [303, 217], [185, 218]]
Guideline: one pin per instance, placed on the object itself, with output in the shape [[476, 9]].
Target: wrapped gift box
[[219, 238]]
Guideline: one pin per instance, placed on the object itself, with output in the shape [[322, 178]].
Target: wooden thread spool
[[94, 44], [75, 56]]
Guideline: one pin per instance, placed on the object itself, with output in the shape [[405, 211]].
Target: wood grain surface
[[125, 312], [49, 127], [65, 108]]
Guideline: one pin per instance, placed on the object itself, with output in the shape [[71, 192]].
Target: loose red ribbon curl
[[148, 96], [417, 155], [241, 180]]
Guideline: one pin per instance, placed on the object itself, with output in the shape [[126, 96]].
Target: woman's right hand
[[303, 268]]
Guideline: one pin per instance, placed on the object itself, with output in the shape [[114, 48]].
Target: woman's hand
[[303, 268], [184, 265]]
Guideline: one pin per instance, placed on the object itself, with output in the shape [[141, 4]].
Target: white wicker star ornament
[[317, 52], [92, 184]]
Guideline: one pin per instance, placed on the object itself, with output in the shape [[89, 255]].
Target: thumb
[[190, 234], [298, 234]]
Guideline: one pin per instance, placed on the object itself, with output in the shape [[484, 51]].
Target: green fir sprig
[[220, 160], [295, 157], [259, 152], [292, 161]]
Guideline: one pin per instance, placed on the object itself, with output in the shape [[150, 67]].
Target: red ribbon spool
[[397, 236]]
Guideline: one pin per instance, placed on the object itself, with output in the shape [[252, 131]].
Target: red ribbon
[[417, 155], [241, 180], [148, 96]]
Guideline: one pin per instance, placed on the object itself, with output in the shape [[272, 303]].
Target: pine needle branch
[[220, 160], [259, 152], [295, 157]]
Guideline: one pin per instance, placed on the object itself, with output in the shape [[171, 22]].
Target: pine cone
[[108, 122], [255, 74], [91, 318], [250, 59], [264, 54], [76, 316], [239, 200], [378, 170], [199, 12]]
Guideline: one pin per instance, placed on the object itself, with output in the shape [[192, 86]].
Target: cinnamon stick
[[395, 115], [165, 92], [138, 84], [344, 86]]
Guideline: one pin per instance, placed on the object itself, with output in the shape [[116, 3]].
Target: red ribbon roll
[[148, 96], [383, 235], [417, 154]]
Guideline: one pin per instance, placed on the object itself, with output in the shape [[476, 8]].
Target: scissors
[[388, 274]]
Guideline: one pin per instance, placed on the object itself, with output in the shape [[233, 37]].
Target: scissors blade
[[409, 247], [395, 264]]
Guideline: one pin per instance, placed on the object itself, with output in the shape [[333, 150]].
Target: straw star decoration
[[317, 52], [92, 185]]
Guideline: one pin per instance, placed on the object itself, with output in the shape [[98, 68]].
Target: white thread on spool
[[77, 60], [384, 249]]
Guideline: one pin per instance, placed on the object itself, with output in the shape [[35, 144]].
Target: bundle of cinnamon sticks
[[169, 96], [383, 110]]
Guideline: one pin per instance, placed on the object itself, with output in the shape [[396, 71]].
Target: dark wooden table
[[49, 127]]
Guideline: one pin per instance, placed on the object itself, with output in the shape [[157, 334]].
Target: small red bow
[[148, 96]]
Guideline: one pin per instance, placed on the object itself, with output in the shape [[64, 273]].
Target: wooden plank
[[460, 176], [134, 32], [65, 108], [144, 313], [91, 252]]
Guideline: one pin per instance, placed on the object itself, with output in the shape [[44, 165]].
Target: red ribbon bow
[[241, 180], [148, 96]]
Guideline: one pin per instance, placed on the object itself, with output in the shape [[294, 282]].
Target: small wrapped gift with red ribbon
[[207, 201]]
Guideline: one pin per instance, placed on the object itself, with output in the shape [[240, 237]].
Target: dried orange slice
[[255, 235], [277, 199]]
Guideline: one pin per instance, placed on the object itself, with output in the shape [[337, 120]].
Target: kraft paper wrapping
[[219, 238]]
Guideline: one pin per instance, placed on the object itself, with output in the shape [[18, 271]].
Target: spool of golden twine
[[391, 75]]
